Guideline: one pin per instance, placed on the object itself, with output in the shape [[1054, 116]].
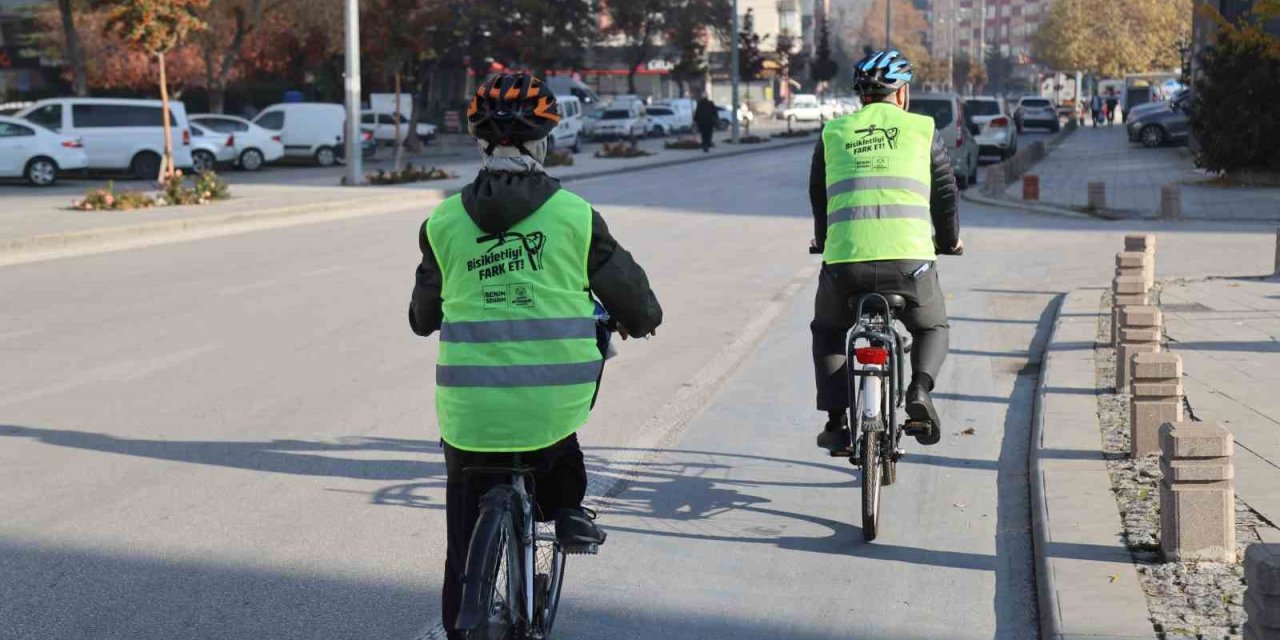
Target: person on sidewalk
[[508, 270], [1112, 103], [1095, 108], [879, 176], [706, 117]]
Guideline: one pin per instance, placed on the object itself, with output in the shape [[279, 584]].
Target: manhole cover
[[1185, 307]]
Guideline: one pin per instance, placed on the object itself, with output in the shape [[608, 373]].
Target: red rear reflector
[[186, 137], [276, 138], [366, 135], [1000, 122], [231, 141], [871, 355], [72, 144]]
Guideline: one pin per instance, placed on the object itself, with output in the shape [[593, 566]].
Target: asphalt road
[[234, 438]]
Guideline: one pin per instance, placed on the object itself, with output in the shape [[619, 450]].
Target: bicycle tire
[[549, 562], [493, 591], [871, 468]]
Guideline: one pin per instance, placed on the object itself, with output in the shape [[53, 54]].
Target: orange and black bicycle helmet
[[511, 109]]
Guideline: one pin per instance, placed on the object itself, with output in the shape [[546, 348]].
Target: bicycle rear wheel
[[871, 482], [493, 597], [549, 560]]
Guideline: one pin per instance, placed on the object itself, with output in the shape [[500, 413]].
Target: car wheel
[[973, 170], [1152, 136], [658, 131], [326, 157], [202, 161], [962, 181], [576, 147], [145, 165], [42, 171], [251, 160]]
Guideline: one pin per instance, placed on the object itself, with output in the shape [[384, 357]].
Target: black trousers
[[925, 317], [706, 132], [559, 481]]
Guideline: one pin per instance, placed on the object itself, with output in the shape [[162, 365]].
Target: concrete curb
[[49, 246], [1086, 581], [1024, 206]]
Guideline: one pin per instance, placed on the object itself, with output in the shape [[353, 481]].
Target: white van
[[567, 134], [118, 134], [683, 110], [567, 86], [310, 130]]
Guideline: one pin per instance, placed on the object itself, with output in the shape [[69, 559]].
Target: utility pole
[[733, 75], [355, 168], [888, 25]]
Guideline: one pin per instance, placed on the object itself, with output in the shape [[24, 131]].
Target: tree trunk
[[166, 167], [217, 98], [79, 83], [631, 80], [399, 157]]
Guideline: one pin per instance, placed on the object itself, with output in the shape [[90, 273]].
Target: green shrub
[[621, 150], [683, 143], [748, 139], [106, 199], [559, 159], [1233, 116], [207, 188], [408, 174]]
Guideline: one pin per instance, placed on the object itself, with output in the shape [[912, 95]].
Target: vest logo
[[874, 138], [522, 296], [509, 253], [506, 296]]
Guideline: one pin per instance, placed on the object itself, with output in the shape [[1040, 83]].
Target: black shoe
[[835, 438], [923, 420], [577, 531]]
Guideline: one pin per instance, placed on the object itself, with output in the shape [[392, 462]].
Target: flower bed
[[408, 174], [559, 159], [683, 143], [621, 150], [174, 191], [752, 139]]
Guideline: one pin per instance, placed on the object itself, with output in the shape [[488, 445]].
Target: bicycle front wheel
[[493, 597], [549, 559], [871, 479]]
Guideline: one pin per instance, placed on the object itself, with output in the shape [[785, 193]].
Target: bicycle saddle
[[896, 302]]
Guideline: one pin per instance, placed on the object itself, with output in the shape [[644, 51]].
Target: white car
[[745, 117], [806, 108], [682, 110], [383, 127], [571, 128], [664, 120], [28, 150], [310, 130], [210, 148], [254, 146], [621, 122], [1034, 111], [118, 134], [992, 126]]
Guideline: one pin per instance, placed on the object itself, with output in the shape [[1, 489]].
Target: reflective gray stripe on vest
[[878, 212], [878, 182], [519, 330], [525, 375]]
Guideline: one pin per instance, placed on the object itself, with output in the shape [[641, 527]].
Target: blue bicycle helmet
[[881, 73]]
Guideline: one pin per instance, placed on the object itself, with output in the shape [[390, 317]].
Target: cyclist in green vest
[[884, 205], [509, 268]]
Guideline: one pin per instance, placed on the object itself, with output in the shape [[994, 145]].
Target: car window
[[9, 130], [616, 114], [273, 120], [386, 119], [940, 110], [982, 107], [657, 111], [48, 116], [197, 131], [368, 118], [222, 125], [99, 115], [1038, 103]]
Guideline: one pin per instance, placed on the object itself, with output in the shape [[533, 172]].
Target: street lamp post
[[355, 169], [733, 75]]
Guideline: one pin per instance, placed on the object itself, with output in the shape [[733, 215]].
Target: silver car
[[947, 112], [992, 125]]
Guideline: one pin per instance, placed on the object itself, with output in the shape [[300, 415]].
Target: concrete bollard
[[1197, 493], [1157, 399], [1146, 243], [1171, 202], [996, 179], [1140, 333], [1136, 263], [1126, 291], [1030, 187], [1262, 597], [1097, 196]]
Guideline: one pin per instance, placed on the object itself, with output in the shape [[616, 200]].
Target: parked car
[[992, 126], [1035, 111], [569, 132], [211, 148], [1161, 126], [745, 117], [308, 130], [383, 126], [254, 145], [621, 122], [1148, 107], [664, 120], [28, 150], [568, 86], [806, 108], [118, 134], [683, 109], [947, 112]]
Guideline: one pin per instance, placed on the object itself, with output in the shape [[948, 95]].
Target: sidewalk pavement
[[1134, 175], [1227, 331], [36, 222], [1087, 583]]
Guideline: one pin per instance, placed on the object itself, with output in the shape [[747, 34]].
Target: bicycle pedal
[[844, 453], [582, 550], [913, 428]]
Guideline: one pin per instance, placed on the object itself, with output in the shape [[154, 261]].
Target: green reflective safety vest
[[878, 186], [518, 356]]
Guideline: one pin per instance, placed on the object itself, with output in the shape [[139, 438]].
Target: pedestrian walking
[[1112, 103], [706, 117], [1095, 109]]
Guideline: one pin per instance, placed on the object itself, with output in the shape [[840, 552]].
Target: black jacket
[[496, 202], [942, 202], [705, 115]]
